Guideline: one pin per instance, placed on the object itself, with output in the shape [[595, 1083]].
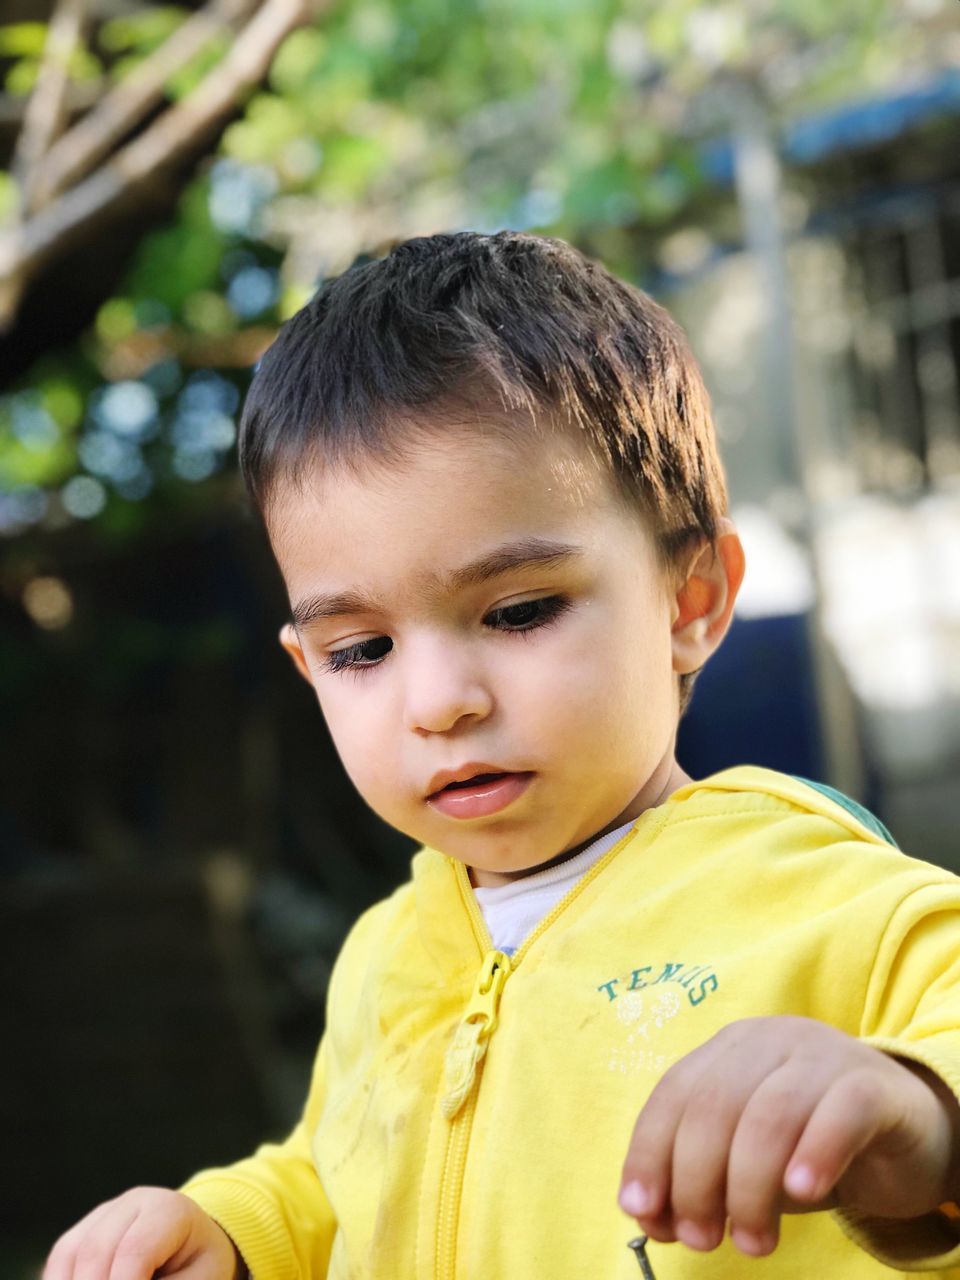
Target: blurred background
[[180, 852]]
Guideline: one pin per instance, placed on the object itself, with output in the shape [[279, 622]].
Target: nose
[[443, 684]]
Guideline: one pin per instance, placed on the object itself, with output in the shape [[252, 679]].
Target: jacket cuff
[[928, 1243], [250, 1220]]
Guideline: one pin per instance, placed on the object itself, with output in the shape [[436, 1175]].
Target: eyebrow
[[522, 554]]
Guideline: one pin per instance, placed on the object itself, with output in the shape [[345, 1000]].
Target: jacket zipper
[[464, 1061]]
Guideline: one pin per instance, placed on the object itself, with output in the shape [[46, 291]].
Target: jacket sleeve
[[272, 1204], [912, 1011]]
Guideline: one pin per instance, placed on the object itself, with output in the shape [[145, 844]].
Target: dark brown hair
[[513, 328]]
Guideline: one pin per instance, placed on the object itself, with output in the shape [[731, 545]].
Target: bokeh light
[[128, 408], [49, 602], [252, 290], [83, 497], [238, 192], [22, 506]]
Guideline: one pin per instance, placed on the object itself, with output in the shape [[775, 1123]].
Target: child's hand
[[787, 1115], [145, 1230]]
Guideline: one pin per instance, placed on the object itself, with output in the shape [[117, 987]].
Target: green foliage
[[9, 198], [116, 320], [141, 32], [21, 77], [131, 37], [297, 62], [23, 43], [269, 124], [564, 116], [196, 70], [182, 259], [352, 162], [22, 39]]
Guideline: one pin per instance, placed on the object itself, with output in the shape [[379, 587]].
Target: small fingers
[[90, 1245], [97, 1253], [128, 1238], [699, 1173], [797, 1137], [845, 1121], [766, 1118], [62, 1258], [646, 1177], [765, 1139], [159, 1236], [681, 1142]]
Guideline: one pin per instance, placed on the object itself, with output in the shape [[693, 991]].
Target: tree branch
[[78, 97], [126, 104], [45, 111], [26, 247]]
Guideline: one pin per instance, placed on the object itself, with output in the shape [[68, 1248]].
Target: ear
[[703, 606], [291, 642]]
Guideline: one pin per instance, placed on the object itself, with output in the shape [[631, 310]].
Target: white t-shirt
[[513, 910]]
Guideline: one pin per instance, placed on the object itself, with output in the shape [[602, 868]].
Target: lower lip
[[486, 798]]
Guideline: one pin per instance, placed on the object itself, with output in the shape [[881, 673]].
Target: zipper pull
[[469, 1043]]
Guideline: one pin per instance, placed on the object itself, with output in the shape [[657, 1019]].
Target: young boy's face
[[428, 655]]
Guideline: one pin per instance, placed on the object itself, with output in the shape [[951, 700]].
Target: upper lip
[[461, 774]]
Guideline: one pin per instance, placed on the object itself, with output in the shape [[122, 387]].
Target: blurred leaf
[[21, 464], [63, 401], [350, 164], [116, 320], [181, 259], [208, 312], [193, 74], [298, 61], [292, 298], [268, 125], [22, 39], [84, 65], [143, 31], [21, 78], [665, 29], [9, 197]]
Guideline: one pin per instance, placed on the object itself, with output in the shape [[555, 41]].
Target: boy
[[490, 482]]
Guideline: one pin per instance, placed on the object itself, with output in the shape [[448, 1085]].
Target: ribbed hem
[[930, 1243], [251, 1221]]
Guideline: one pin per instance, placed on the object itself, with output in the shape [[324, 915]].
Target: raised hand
[[787, 1115]]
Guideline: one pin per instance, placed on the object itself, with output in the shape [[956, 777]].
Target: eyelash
[[351, 659]]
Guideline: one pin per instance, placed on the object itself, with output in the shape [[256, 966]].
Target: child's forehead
[[435, 516], [482, 456]]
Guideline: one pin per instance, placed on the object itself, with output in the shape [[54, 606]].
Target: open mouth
[[481, 795], [476, 781]]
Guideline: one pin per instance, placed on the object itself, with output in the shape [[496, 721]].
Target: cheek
[[356, 726], [616, 670], [567, 679]]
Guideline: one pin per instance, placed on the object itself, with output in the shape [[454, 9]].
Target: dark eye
[[527, 615], [365, 654]]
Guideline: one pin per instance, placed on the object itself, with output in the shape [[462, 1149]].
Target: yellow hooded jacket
[[469, 1113]]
